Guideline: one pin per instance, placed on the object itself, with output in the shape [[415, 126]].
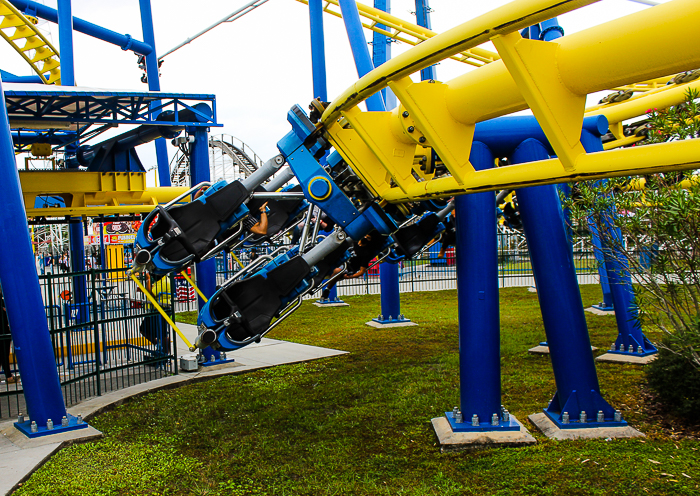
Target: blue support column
[[154, 85], [477, 299], [630, 339], [423, 19], [318, 50], [560, 302], [205, 271], [23, 300], [607, 304], [358, 45]]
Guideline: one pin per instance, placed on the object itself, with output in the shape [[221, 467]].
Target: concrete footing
[[379, 325], [532, 289], [472, 441], [331, 305], [596, 311], [619, 358], [550, 429], [544, 350]]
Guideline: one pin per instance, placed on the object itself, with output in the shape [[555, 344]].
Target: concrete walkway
[[21, 456]]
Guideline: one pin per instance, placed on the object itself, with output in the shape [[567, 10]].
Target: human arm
[[261, 227], [357, 274]]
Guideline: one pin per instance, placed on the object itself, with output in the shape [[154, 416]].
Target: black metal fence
[[105, 335]]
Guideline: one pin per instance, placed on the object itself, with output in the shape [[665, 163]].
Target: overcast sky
[[258, 66]]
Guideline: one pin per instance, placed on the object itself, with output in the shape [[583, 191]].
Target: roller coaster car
[[172, 236], [241, 312], [282, 213], [411, 239]]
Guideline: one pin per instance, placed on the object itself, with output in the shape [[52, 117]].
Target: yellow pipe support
[[37, 51], [507, 19], [201, 295], [161, 311], [649, 159], [237, 261], [629, 140]]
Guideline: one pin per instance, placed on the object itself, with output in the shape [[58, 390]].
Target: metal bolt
[[459, 418], [401, 317], [565, 418], [454, 411], [475, 420], [583, 418], [601, 416], [421, 139], [212, 358], [411, 129], [380, 317], [223, 355], [405, 113], [618, 416], [33, 427], [49, 425], [20, 418], [506, 416], [631, 348], [494, 419], [431, 81], [612, 347], [64, 422]]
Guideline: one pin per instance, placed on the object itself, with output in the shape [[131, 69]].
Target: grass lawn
[[360, 423]]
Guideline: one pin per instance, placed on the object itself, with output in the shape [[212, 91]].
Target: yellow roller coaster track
[[28, 41], [405, 32]]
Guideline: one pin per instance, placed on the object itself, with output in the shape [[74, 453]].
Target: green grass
[[360, 423]]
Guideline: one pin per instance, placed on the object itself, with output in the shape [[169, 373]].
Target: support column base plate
[[472, 441], [596, 310], [625, 358], [544, 350], [545, 425], [330, 303], [390, 323]]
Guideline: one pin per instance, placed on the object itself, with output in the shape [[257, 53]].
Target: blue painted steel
[[504, 134], [53, 104], [26, 427], [560, 300], [8, 77], [318, 51], [23, 300], [125, 41], [388, 272], [620, 281], [200, 172], [360, 52], [607, 303], [153, 75], [477, 301], [423, 19], [65, 40]]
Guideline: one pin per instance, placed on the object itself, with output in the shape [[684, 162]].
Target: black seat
[[411, 239], [252, 303], [199, 222], [280, 215]]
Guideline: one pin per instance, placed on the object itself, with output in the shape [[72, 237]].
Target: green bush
[[676, 381]]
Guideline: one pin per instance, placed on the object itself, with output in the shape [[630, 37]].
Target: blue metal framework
[[103, 107]]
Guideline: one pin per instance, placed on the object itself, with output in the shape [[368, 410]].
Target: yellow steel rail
[[189, 280], [161, 311], [28, 41], [406, 32], [93, 193], [552, 79]]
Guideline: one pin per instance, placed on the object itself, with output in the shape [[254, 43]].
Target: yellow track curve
[[28, 41]]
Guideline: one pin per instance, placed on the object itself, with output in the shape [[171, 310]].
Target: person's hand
[[263, 207]]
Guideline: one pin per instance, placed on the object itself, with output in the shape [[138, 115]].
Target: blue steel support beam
[[607, 303], [423, 19], [75, 229], [318, 50], [154, 85], [23, 300], [477, 302], [124, 41], [630, 334], [199, 172], [360, 52], [560, 300], [388, 273]]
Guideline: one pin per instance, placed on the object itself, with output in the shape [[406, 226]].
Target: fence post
[[96, 331]]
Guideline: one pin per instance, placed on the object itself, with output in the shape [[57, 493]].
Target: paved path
[[20, 456]]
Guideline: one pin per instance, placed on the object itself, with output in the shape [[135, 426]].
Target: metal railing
[[105, 336]]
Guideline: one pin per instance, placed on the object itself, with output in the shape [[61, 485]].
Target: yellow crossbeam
[[189, 280]]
